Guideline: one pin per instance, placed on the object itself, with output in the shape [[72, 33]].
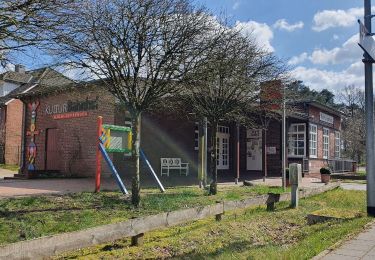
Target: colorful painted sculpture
[[31, 149]]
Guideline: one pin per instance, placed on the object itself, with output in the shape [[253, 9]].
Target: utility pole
[[370, 155], [283, 150]]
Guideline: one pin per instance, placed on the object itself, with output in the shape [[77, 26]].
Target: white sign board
[[366, 42], [326, 118]]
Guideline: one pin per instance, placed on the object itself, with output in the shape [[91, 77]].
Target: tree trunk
[[136, 141], [213, 166]]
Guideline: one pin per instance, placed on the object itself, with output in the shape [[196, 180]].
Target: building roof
[[325, 107], [45, 77], [16, 77]]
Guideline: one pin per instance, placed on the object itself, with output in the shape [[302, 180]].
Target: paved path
[[15, 188], [6, 173], [361, 247], [353, 186]]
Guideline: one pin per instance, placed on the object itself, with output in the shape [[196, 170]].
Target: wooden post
[[98, 155], [137, 240], [295, 176]]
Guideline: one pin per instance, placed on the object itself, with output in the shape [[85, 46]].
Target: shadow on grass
[[234, 247]]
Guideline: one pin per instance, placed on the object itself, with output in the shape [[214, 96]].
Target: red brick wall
[[13, 134], [76, 136], [314, 117]]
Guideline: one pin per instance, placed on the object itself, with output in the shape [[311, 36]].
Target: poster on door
[[254, 150]]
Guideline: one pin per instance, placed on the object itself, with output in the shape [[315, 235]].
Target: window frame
[[311, 141], [196, 136], [297, 133], [337, 144], [326, 156]]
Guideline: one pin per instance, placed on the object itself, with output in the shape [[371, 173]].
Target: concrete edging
[[50, 245]]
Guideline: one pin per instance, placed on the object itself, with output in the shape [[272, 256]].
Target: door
[[222, 139], [254, 157], [52, 153]]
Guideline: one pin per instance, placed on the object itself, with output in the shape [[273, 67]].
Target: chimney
[[20, 68]]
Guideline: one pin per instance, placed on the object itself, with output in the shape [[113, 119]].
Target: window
[[337, 145], [325, 143], [313, 140], [222, 150], [296, 140], [196, 137]]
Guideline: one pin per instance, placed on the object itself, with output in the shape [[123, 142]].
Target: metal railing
[[341, 165]]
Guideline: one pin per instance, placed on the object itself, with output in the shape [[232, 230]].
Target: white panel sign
[[326, 118], [366, 42]]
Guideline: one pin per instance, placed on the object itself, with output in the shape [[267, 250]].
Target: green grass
[[27, 218], [361, 173], [9, 167], [246, 234]]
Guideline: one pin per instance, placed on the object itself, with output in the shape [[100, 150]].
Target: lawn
[[27, 218], [246, 234], [361, 173], [9, 167]]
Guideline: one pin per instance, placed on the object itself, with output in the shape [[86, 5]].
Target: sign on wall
[[271, 150], [326, 118], [71, 109]]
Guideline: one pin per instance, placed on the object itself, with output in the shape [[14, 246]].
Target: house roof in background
[[16, 77], [45, 77]]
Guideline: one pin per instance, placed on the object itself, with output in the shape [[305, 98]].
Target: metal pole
[[370, 155], [98, 154], [283, 158], [237, 153], [205, 152]]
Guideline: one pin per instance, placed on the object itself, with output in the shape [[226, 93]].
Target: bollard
[[137, 240], [295, 176], [272, 199], [271, 206]]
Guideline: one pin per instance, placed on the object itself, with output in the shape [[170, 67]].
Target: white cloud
[[332, 80], [326, 19], [298, 59], [236, 5], [282, 24], [348, 52], [260, 32]]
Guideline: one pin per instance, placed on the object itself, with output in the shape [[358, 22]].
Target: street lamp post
[[370, 155]]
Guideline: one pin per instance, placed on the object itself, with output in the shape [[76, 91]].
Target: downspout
[[22, 163]]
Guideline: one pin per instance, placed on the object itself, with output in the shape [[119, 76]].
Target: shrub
[[325, 170]]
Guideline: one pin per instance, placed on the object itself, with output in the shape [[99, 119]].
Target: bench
[[168, 164]]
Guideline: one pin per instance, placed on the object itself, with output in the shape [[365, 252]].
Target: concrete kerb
[[47, 246]]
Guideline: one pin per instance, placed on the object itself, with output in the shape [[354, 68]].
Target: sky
[[317, 39]]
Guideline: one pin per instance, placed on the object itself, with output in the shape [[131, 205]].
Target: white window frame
[[222, 150], [337, 144], [325, 143], [291, 133], [313, 141], [196, 136]]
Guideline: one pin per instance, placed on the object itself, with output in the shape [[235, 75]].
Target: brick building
[[12, 110], [61, 123]]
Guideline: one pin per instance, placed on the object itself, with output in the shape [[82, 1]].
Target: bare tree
[[353, 126], [140, 50], [22, 23], [229, 82]]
